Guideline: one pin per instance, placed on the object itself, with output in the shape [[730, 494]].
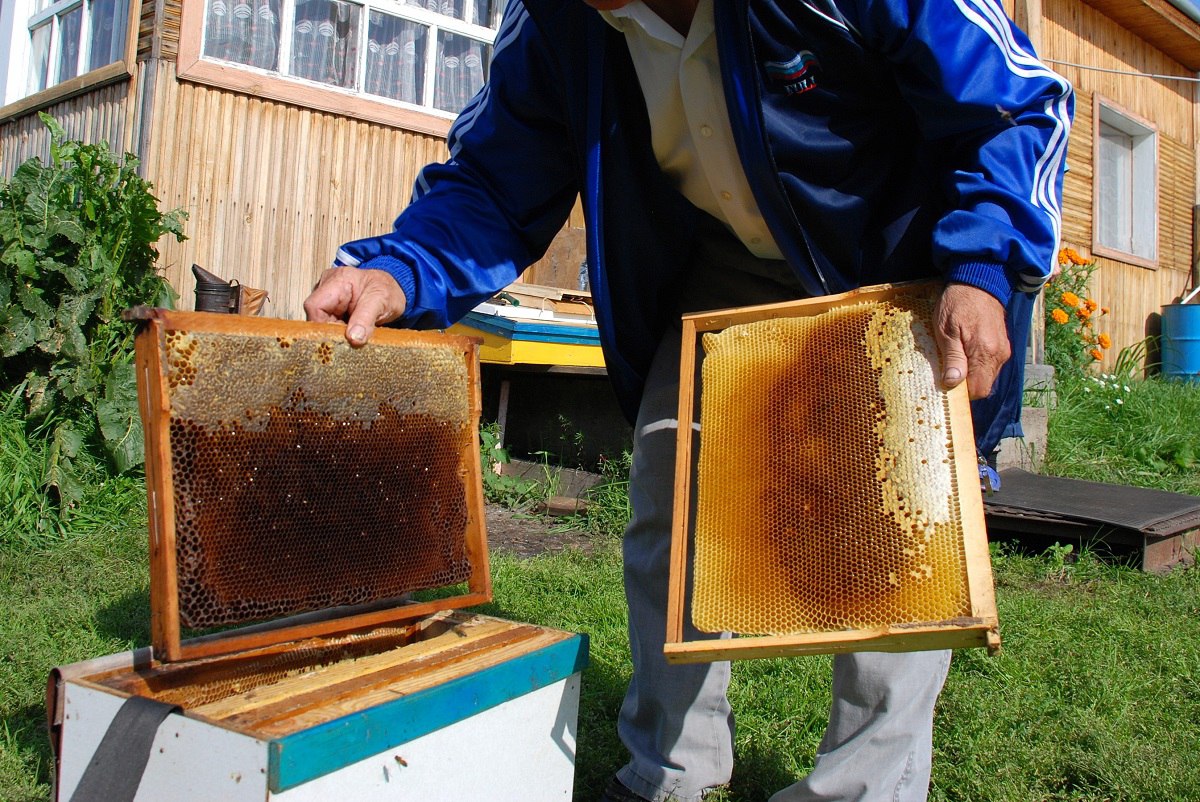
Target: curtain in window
[[395, 58], [245, 31], [107, 21], [461, 70], [69, 25], [39, 59], [325, 42]]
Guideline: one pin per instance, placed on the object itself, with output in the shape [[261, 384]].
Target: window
[[433, 55], [1126, 217], [53, 42]]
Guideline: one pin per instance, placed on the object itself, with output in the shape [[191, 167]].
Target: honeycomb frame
[[440, 532], [714, 601]]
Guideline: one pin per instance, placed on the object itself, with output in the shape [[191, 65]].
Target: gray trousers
[[676, 721]]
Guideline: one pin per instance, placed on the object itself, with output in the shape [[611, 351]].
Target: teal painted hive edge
[[304, 756], [533, 332]]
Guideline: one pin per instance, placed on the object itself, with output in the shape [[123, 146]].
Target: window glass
[[325, 42], [1115, 226], [245, 31], [1126, 185], [461, 69], [429, 53], [39, 58], [69, 26], [396, 58], [106, 18]]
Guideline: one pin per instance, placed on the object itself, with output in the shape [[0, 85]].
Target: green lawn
[[1095, 696]]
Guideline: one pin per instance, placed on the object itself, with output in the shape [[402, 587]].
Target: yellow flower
[[1059, 316], [1104, 340], [1097, 354], [1076, 258], [1090, 304], [1063, 258], [1083, 313], [1070, 299]]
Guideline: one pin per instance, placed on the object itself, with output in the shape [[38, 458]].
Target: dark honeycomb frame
[[978, 628], [298, 487]]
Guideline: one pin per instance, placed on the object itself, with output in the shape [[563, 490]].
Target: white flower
[[1120, 400], [1127, 388]]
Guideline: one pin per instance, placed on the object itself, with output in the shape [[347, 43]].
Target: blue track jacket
[[884, 140]]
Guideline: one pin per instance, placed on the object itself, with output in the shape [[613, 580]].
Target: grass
[[1094, 696], [1141, 433]]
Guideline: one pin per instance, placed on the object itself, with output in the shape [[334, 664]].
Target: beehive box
[[300, 492], [835, 502]]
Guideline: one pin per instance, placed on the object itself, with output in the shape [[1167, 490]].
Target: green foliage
[[1122, 430], [514, 492], [1073, 345], [77, 247], [608, 509]]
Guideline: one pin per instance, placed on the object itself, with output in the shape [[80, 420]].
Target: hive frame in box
[[154, 401], [980, 628]]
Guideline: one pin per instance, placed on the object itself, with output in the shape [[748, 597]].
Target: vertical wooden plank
[[681, 516], [155, 410]]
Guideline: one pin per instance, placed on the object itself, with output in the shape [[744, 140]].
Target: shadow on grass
[[127, 619], [30, 737]]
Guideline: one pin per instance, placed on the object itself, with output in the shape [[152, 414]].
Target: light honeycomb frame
[[974, 624], [163, 374]]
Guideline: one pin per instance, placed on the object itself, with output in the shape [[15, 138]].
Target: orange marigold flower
[[1091, 305], [1083, 313], [1097, 354], [1104, 310], [1059, 316], [1070, 299], [1063, 258], [1105, 341], [1076, 258]]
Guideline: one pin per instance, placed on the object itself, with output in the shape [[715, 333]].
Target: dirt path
[[526, 535]]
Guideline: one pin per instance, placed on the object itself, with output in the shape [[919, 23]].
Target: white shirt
[[689, 123]]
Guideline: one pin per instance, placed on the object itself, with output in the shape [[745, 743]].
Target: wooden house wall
[[1073, 32], [271, 190], [105, 114]]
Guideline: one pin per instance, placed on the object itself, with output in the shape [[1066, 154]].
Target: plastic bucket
[[217, 297], [1181, 341]]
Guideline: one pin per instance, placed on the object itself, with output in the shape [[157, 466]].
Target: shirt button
[[726, 196], [706, 131]]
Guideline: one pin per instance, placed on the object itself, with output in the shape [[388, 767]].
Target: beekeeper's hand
[[972, 337], [363, 298]]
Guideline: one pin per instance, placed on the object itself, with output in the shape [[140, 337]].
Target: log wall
[[1075, 33]]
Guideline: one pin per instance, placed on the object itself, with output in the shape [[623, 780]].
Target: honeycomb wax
[[825, 491], [309, 475]]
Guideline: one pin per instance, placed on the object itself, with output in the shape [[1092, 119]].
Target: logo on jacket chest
[[796, 75]]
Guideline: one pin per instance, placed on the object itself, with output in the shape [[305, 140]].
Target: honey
[[826, 491], [308, 475]]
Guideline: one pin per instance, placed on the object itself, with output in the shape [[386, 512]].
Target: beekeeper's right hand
[[363, 298]]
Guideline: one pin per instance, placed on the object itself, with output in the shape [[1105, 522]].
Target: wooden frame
[[980, 628], [1098, 249], [156, 409], [191, 66]]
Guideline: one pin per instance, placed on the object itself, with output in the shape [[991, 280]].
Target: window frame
[[120, 70], [193, 66], [1104, 112]]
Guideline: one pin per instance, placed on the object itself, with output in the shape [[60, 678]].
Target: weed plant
[[77, 247]]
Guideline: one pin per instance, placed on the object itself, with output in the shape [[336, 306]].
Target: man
[[730, 152]]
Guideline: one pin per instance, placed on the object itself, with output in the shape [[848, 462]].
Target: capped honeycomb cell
[[826, 497], [308, 475]]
